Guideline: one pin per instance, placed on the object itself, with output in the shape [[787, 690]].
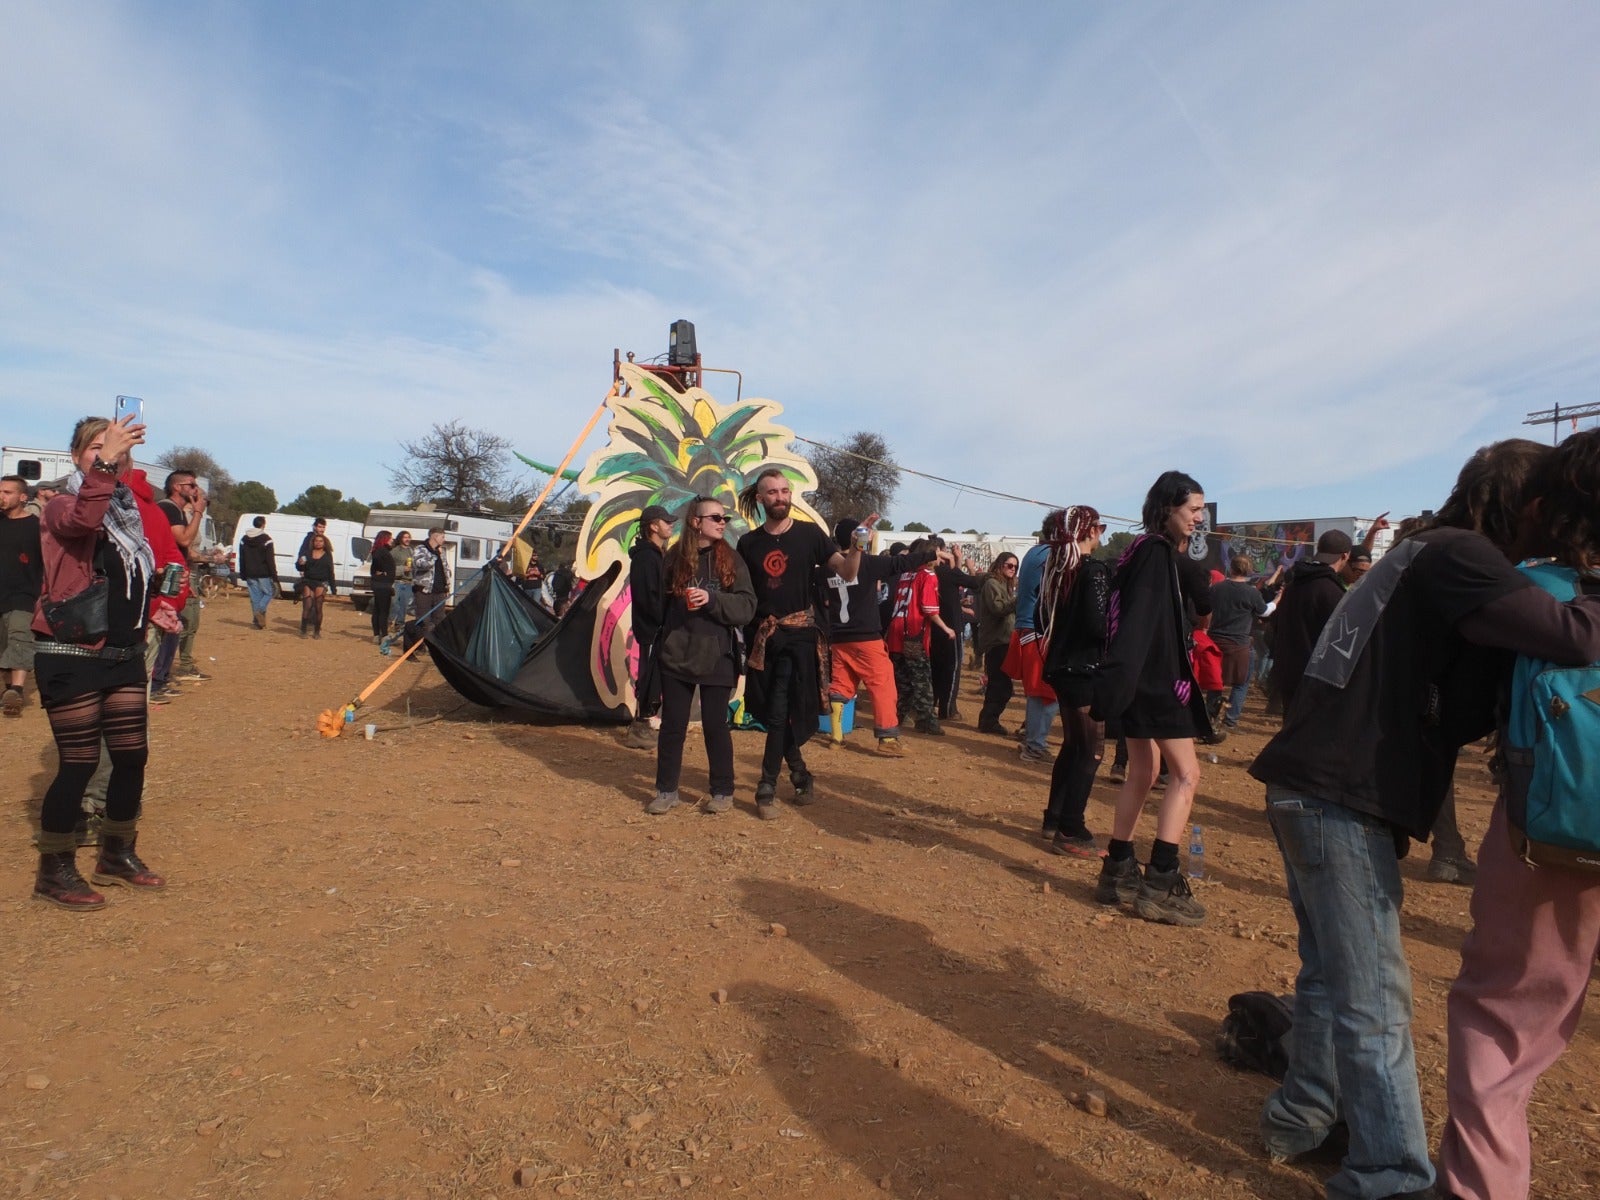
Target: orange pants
[[858, 663]]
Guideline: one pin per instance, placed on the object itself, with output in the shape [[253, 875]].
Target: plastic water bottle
[[1197, 853]]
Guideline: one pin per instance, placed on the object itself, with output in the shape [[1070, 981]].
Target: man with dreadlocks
[[787, 682], [1073, 597]]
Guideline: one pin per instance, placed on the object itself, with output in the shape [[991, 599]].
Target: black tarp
[[500, 648]]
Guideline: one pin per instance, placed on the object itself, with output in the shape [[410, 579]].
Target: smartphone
[[130, 405]]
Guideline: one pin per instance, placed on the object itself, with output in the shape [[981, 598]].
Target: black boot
[[119, 865], [804, 785], [58, 882]]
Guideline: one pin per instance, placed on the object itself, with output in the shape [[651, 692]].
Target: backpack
[[1552, 732], [1255, 1033]]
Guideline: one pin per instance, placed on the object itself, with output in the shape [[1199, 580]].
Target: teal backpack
[[1551, 749]]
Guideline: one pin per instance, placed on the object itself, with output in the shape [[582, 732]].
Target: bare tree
[[224, 510], [855, 480], [466, 467]]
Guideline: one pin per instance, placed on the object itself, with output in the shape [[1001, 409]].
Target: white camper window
[[361, 548], [470, 549]]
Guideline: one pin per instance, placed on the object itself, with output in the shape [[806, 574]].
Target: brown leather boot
[[119, 865], [58, 882]]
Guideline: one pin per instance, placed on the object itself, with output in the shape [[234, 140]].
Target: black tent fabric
[[500, 648]]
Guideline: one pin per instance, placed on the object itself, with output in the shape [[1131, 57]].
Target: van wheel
[[359, 603]]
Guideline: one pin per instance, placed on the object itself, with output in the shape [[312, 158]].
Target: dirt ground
[[459, 961]]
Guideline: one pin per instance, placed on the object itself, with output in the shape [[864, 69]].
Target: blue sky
[[1313, 254]]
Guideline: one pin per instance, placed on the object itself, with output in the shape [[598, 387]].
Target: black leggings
[[676, 695], [120, 717], [1082, 747], [382, 602], [311, 598]]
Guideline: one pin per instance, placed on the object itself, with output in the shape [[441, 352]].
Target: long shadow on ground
[[1010, 1012]]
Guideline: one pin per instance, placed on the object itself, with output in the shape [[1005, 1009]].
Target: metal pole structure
[[1554, 416]]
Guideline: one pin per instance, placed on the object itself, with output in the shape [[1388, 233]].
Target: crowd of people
[[1383, 670]]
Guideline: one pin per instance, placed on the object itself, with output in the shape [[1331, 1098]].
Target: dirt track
[[413, 966]]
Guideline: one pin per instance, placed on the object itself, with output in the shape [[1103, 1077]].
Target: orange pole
[[537, 504]]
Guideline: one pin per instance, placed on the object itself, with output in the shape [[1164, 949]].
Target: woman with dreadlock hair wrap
[[1073, 597], [1144, 690]]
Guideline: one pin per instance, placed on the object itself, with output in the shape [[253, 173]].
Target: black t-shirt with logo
[[21, 564], [783, 566], [1392, 691]]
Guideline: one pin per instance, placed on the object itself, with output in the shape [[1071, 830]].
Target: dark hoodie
[[647, 580], [257, 558], [1311, 594]]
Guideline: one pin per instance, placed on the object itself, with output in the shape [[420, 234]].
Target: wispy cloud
[[1312, 254]]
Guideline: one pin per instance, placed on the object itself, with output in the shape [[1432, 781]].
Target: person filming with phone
[[100, 576]]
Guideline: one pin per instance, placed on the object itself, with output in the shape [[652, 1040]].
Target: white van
[[471, 540], [350, 547]]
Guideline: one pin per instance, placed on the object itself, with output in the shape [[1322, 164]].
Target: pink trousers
[[1513, 1009]]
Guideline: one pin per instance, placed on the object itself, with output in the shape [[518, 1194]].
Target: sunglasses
[[719, 518], [1009, 567]]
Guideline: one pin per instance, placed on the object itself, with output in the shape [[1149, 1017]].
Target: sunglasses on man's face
[[719, 518]]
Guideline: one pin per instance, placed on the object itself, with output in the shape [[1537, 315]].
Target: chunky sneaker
[[12, 703], [891, 748], [1076, 847], [640, 736], [664, 802], [805, 785], [1165, 896], [195, 675], [1029, 753], [719, 804], [1119, 881], [1117, 774], [767, 800], [1453, 870]]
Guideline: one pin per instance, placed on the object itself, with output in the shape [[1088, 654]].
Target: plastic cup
[[371, 732]]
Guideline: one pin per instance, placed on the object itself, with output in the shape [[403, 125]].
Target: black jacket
[[257, 559], [1144, 686], [1078, 635], [853, 611], [647, 583], [1309, 598]]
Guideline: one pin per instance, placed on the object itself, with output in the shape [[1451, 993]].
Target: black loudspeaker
[[680, 345]]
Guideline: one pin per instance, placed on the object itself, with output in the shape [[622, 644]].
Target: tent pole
[[333, 714]]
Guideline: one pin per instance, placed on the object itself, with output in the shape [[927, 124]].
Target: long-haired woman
[[316, 582], [1145, 691], [997, 608], [709, 599], [1073, 599], [90, 665], [382, 584], [404, 592]]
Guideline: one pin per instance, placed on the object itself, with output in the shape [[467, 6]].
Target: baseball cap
[[654, 513]]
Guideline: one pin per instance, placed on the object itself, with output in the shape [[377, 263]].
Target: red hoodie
[[158, 532]]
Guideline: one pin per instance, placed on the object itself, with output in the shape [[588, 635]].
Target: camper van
[[41, 466], [472, 540], [350, 547]]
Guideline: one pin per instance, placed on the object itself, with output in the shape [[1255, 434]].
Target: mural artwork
[[665, 447]]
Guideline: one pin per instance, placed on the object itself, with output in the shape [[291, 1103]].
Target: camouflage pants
[[913, 680]]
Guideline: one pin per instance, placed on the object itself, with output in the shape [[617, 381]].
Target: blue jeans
[[261, 591], [404, 601], [1350, 1053], [1036, 724]]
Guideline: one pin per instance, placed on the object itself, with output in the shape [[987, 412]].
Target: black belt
[[110, 654]]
